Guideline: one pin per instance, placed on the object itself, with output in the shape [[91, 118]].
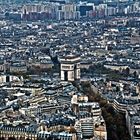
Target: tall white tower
[[70, 68]]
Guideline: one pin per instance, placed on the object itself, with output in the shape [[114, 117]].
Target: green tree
[[115, 122]]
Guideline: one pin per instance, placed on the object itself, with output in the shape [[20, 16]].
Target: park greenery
[[116, 75]]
